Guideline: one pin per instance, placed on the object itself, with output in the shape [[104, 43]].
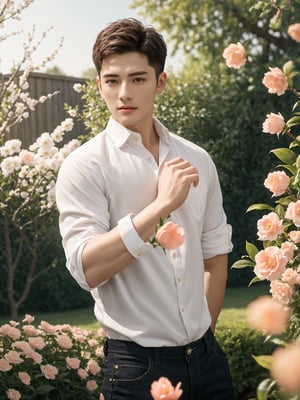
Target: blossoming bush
[[276, 259], [49, 361]]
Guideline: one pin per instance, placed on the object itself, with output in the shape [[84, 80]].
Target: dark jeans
[[201, 366]]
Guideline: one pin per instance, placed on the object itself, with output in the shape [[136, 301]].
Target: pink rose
[[35, 356], [288, 249], [270, 263], [28, 319], [269, 227], [24, 378], [93, 367], [275, 81], [295, 236], [294, 31], [82, 373], [277, 182], [274, 124], [99, 352], [170, 235], [37, 342], [91, 385], [48, 328], [64, 342], [11, 331], [281, 291], [286, 367], [49, 371], [235, 55], [13, 394], [72, 362], [13, 357], [4, 365], [22, 345], [293, 212], [30, 330], [267, 315], [164, 390]]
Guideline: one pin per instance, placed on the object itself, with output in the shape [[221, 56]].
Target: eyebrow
[[138, 73]]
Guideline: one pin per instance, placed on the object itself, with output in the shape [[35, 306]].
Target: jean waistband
[[125, 346]]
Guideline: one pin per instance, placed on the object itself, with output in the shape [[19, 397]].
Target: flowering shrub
[[278, 315], [49, 361]]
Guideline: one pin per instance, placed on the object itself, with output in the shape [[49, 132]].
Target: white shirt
[[158, 299]]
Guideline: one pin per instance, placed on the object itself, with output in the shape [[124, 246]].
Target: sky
[[77, 22]]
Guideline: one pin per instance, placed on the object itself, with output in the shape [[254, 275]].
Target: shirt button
[[189, 351], [178, 280], [174, 255]]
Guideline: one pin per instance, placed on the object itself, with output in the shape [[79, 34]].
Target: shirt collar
[[120, 134]]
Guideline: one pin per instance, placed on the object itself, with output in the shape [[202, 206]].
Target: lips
[[126, 108]]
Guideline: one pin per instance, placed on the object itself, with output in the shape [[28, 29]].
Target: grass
[[234, 309]]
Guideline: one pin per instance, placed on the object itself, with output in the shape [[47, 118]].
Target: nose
[[125, 92]]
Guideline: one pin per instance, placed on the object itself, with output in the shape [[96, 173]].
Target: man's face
[[128, 85]]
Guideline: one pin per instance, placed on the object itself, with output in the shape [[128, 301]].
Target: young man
[[158, 308]]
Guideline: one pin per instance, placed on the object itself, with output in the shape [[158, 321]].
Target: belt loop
[[156, 355]]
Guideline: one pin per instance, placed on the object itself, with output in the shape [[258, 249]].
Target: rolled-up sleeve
[[83, 211], [216, 235]]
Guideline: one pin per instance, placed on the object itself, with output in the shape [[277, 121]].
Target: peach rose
[[93, 367], [291, 276], [295, 236], [49, 371], [64, 342], [274, 124], [293, 212], [288, 249], [35, 356], [235, 55], [281, 291], [72, 362], [294, 31], [99, 352], [277, 182], [270, 263], [13, 394], [24, 378], [170, 235], [275, 81], [269, 227], [163, 389], [267, 315], [91, 385], [286, 367]]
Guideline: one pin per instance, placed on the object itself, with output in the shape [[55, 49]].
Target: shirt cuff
[[132, 241]]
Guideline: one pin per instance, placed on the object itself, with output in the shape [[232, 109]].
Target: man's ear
[[161, 82], [99, 84]]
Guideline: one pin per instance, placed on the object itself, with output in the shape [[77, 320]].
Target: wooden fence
[[51, 113]]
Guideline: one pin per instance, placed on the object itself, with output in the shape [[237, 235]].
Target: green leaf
[[285, 155], [260, 206], [264, 361], [296, 105], [294, 121], [288, 67], [264, 389], [42, 389], [253, 280], [242, 264], [252, 250]]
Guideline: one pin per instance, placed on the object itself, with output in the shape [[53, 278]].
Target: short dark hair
[[129, 34]]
